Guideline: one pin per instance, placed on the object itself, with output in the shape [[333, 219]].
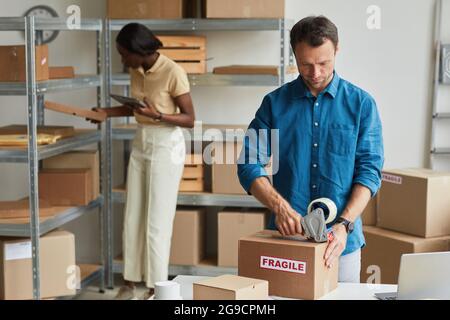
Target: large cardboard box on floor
[[369, 215], [57, 259], [380, 258], [145, 9], [66, 187], [415, 201], [87, 159], [233, 225], [188, 237], [13, 63], [244, 8], [295, 268], [231, 287]]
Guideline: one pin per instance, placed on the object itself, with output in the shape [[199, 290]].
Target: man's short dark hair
[[314, 30]]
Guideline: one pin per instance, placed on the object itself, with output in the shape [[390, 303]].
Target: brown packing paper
[[20, 129], [21, 209], [18, 140]]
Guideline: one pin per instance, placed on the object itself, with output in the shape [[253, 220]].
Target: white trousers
[[154, 173], [350, 267]]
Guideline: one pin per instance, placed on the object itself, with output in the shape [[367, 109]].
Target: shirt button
[[316, 124], [315, 145], [314, 165], [317, 104], [314, 186]]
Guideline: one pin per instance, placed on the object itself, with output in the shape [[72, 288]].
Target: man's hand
[[149, 111], [337, 246], [99, 110], [287, 220]]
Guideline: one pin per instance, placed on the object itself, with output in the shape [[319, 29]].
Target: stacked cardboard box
[[145, 9], [369, 215], [224, 168], [193, 174], [244, 9], [57, 262], [188, 237], [233, 225], [13, 63], [381, 256], [413, 217], [66, 187], [87, 159]]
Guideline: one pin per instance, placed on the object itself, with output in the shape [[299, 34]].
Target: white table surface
[[344, 291]]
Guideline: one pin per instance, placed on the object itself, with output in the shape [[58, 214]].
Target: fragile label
[[273, 263], [18, 251], [392, 179]]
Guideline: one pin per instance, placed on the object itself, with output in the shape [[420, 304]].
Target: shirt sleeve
[[369, 150], [256, 151], [179, 83]]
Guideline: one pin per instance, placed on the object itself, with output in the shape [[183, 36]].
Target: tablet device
[[128, 101]]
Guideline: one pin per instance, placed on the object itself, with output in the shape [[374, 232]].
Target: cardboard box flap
[[230, 282], [418, 173], [271, 236]]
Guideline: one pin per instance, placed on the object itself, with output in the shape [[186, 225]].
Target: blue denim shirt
[[326, 145]]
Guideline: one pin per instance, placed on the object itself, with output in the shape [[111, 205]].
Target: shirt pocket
[[341, 139]]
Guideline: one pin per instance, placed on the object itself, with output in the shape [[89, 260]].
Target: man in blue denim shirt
[[330, 145]]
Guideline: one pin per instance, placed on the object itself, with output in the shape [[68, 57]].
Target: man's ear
[[336, 50]]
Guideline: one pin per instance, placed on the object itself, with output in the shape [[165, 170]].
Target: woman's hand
[[99, 110], [149, 110]]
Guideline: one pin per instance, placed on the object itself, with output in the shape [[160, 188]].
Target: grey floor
[[92, 292]]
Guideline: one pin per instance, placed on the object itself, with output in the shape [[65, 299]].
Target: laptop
[[422, 276]]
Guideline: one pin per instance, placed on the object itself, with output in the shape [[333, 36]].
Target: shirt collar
[[331, 89], [158, 63]]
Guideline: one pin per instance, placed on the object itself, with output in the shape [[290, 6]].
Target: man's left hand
[[336, 246]]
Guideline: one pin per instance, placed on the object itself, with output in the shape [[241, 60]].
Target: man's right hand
[[100, 110], [288, 220]]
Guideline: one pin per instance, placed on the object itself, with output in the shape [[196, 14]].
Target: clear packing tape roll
[[327, 205]]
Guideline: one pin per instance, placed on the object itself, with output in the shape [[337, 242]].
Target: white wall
[[394, 64]]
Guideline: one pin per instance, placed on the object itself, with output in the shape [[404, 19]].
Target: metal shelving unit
[[437, 84], [31, 156], [126, 132]]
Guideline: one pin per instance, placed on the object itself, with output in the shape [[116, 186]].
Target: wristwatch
[[349, 226], [158, 118]]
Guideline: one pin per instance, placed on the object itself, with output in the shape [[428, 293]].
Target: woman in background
[[157, 158]]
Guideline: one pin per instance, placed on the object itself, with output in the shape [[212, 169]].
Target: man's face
[[316, 65]]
